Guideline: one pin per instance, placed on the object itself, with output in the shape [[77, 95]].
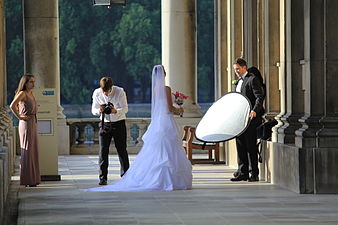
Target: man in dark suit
[[251, 87]]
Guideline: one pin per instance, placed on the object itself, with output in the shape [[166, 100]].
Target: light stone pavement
[[214, 199]]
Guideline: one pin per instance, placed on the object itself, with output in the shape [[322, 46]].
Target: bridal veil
[[161, 164]]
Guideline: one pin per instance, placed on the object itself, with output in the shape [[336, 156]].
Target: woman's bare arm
[[14, 105]]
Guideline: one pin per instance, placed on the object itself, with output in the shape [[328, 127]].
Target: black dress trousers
[[118, 131]]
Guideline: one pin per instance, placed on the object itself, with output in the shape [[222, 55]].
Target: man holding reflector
[[251, 87], [237, 115]]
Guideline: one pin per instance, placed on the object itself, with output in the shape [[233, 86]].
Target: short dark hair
[[241, 62], [106, 83]]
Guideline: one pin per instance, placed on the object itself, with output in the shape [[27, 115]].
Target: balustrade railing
[[84, 135], [7, 159]]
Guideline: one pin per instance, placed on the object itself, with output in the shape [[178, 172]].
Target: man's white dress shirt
[[117, 96], [240, 82]]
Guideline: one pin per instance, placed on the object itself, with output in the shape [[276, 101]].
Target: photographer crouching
[[110, 102]]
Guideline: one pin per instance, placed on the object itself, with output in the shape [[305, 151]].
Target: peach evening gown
[[29, 162]]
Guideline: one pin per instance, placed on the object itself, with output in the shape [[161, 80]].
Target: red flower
[[179, 98], [179, 94]]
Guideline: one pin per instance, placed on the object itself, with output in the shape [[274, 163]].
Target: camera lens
[[107, 110]]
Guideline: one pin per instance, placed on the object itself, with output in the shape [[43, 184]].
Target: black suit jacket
[[252, 88]]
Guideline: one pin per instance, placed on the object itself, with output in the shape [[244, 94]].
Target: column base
[[63, 132], [286, 133], [63, 137], [192, 111], [325, 170], [306, 136]]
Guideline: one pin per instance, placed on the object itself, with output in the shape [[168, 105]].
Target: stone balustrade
[[84, 135], [7, 157]]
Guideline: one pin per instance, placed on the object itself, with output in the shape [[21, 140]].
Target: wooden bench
[[190, 144]]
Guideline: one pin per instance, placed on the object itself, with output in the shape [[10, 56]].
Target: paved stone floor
[[214, 199]]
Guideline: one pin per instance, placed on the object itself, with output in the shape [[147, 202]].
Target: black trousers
[[247, 149], [118, 131]]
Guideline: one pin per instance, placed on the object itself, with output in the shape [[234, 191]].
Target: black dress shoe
[[253, 178], [236, 173], [103, 182], [240, 177]]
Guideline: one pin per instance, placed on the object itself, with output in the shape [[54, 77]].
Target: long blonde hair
[[23, 81]]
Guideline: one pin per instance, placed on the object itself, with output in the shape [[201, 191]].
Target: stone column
[[257, 33], [260, 45], [41, 41], [233, 43], [238, 30], [272, 58], [222, 81], [326, 153], [7, 132], [3, 169], [179, 50], [2, 55], [293, 74], [267, 60], [249, 30], [313, 75], [328, 135], [234, 47], [235, 37], [281, 70], [230, 39]]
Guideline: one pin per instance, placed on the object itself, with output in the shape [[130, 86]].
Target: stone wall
[[302, 170], [7, 160]]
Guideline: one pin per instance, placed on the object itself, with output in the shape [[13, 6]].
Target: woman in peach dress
[[24, 108]]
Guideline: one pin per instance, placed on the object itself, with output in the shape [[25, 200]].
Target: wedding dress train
[[161, 165]]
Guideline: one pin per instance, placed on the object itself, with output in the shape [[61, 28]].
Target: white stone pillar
[[272, 50], [41, 41], [179, 50], [281, 70]]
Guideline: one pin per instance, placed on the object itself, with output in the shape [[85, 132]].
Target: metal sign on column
[[46, 99]]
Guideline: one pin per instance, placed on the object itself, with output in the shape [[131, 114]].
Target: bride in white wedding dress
[[161, 165]]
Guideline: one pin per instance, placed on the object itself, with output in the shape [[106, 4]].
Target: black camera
[[107, 108]]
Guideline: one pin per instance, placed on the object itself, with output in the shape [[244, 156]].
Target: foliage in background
[[14, 54], [205, 50], [123, 43], [137, 41]]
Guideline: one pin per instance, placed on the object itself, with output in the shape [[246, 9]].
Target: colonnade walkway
[[214, 199]]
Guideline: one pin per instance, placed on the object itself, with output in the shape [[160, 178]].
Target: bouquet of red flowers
[[179, 98]]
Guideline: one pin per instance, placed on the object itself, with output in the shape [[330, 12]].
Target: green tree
[[92, 44], [205, 50], [122, 42], [77, 27], [136, 39], [14, 45]]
